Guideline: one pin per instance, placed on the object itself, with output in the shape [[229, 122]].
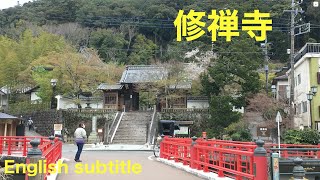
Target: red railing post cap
[[51, 138], [260, 151], [34, 151]]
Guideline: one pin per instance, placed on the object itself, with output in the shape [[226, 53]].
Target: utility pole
[[266, 68], [291, 102], [304, 28]]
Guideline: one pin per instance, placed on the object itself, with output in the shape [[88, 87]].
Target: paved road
[[150, 169]]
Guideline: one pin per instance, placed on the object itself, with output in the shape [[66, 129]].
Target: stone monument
[[93, 138]]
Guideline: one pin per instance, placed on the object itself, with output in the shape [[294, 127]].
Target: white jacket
[[80, 133]]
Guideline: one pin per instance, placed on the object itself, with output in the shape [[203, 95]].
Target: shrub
[[306, 136]]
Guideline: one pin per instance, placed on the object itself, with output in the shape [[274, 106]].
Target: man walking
[[79, 136], [30, 124]]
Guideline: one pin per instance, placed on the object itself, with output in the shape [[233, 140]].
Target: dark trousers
[[80, 146], [30, 127]]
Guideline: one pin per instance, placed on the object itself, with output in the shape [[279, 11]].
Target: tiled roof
[[283, 77], [143, 74], [181, 85], [6, 116], [105, 86]]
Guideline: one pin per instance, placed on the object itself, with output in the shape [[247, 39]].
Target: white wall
[[35, 98], [197, 104], [301, 90], [65, 103], [205, 104]]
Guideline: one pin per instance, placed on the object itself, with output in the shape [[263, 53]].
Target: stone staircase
[[133, 128]]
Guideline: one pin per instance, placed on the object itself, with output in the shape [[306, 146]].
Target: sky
[[10, 3]]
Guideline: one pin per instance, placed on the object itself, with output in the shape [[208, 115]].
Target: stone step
[[136, 120], [130, 126], [131, 132], [131, 142], [131, 129], [128, 135], [127, 141]]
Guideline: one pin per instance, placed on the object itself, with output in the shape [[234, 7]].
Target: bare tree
[[130, 31], [73, 32]]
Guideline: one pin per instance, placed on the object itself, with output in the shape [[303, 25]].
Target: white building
[[307, 74], [65, 102], [282, 88], [3, 100], [70, 103]]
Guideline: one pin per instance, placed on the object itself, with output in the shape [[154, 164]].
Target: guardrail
[[19, 145], [233, 159], [48, 148], [205, 155], [52, 154]]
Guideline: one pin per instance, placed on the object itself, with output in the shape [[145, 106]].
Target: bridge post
[[260, 161], [193, 153], [33, 157], [51, 139], [162, 146], [298, 170]]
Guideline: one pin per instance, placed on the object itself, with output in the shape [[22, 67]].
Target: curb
[[55, 175], [118, 150], [201, 174]]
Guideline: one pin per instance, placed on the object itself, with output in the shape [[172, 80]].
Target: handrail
[[114, 133], [152, 128], [113, 122]]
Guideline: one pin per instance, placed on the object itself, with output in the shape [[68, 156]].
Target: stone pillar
[[33, 157], [93, 138], [58, 101], [298, 170]]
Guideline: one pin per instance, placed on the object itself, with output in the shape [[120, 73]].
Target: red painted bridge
[[230, 159]]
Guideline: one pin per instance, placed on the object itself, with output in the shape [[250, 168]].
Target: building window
[[304, 107], [299, 79], [110, 99], [282, 92], [299, 108]]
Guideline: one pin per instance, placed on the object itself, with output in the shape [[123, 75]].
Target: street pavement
[[150, 167]]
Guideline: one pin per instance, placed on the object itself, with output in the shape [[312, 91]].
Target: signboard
[[275, 166], [57, 127], [57, 132], [183, 130], [99, 130], [263, 131], [278, 118]]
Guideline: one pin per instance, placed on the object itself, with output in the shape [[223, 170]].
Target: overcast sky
[[10, 3]]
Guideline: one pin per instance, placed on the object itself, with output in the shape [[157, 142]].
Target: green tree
[[110, 45], [221, 115], [143, 51], [230, 80]]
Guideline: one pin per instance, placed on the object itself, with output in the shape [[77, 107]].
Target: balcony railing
[[308, 48]]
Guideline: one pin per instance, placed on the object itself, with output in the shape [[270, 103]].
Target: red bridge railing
[[237, 160], [18, 145], [50, 147]]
